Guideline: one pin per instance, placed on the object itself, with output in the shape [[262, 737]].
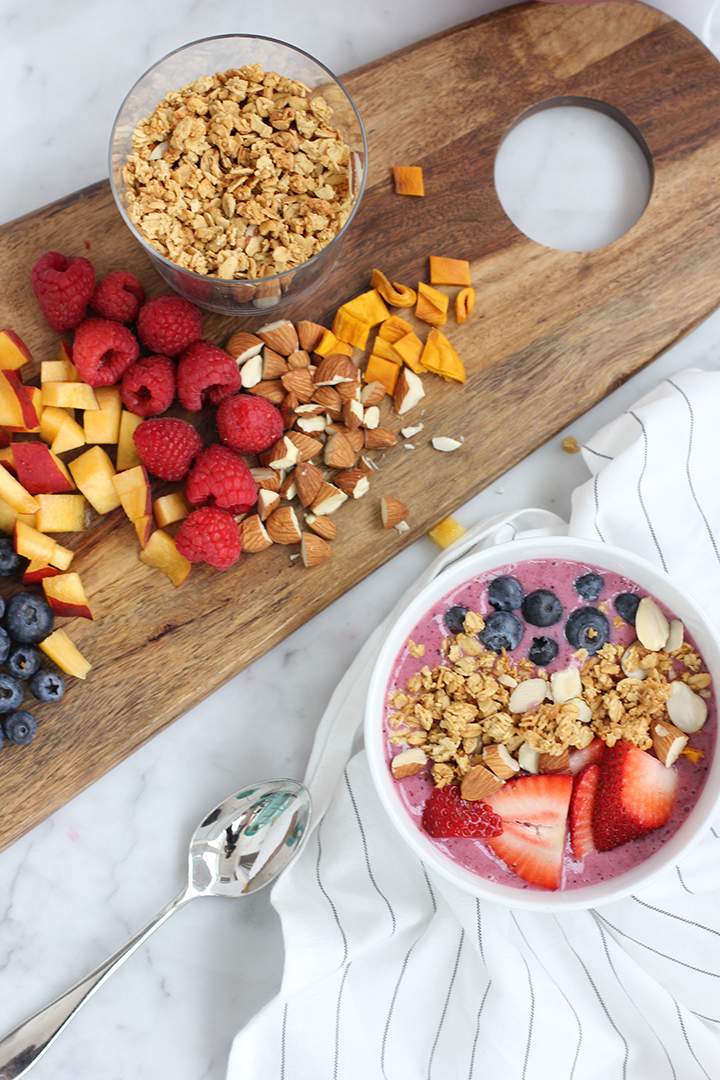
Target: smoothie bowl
[[541, 723]]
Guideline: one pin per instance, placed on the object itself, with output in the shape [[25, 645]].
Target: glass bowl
[[205, 57]]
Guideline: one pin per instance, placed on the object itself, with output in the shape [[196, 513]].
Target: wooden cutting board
[[552, 334]]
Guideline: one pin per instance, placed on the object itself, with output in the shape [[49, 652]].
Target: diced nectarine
[[93, 473], [170, 508], [8, 517], [69, 395], [69, 437], [36, 570], [143, 528], [61, 650], [102, 425], [127, 455], [60, 513], [162, 553], [62, 557], [7, 458], [66, 596], [13, 350], [15, 494], [39, 470], [32, 544], [58, 371], [16, 407], [133, 488], [51, 420]]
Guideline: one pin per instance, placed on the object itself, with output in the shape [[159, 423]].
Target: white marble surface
[[80, 883]]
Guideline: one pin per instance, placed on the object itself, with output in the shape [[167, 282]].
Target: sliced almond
[[251, 372], [478, 783], [675, 637], [274, 365], [565, 685], [408, 763], [352, 414], [280, 336], [630, 663], [253, 534], [668, 742], [584, 712], [267, 502], [379, 438], [329, 398], [299, 382], [307, 447], [528, 758], [686, 709], [353, 482], [309, 334], [334, 370], [282, 526], [329, 499], [299, 359], [308, 480], [314, 550], [555, 763], [445, 444], [402, 527], [500, 761], [265, 477], [392, 511], [242, 346], [371, 420], [651, 626], [284, 454], [311, 425], [273, 390], [527, 696], [323, 526], [373, 393], [339, 453], [408, 432], [409, 391], [309, 409]]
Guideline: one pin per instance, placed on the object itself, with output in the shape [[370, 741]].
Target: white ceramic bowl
[[583, 551]]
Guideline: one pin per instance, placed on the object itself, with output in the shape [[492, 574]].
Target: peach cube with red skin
[[63, 652], [93, 473], [133, 489], [39, 470], [66, 596], [13, 350]]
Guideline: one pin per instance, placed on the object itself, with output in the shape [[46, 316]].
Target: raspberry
[[148, 387], [445, 814], [206, 372], [168, 324], [249, 424], [63, 287], [118, 297], [167, 447], [103, 351], [210, 535], [223, 479]]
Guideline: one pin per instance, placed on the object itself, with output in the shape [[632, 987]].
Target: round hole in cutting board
[[573, 174]]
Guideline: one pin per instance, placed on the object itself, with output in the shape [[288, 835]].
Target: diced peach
[[39, 470], [7, 458], [36, 570], [127, 455], [32, 544], [15, 494], [61, 650], [13, 350], [161, 552], [66, 596], [16, 407], [51, 420], [102, 425], [143, 528], [69, 437], [58, 371], [170, 508], [36, 402], [133, 488], [62, 557], [93, 473], [8, 517], [60, 513], [69, 395]]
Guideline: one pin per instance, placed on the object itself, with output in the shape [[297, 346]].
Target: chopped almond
[[379, 438], [314, 550], [478, 782], [392, 511], [323, 526], [445, 271], [408, 180], [282, 526], [409, 391], [309, 334], [253, 534]]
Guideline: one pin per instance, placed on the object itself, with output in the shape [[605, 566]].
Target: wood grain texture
[[553, 333]]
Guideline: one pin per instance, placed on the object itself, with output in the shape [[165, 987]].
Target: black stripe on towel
[[650, 525], [363, 840], [478, 920], [338, 1007], [283, 1042], [665, 956], [687, 1041], [597, 453], [531, 1018], [682, 882], [391, 1009], [687, 468], [477, 1030], [443, 1014], [327, 896], [679, 918], [596, 496]]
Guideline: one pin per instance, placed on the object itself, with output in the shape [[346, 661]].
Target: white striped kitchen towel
[[392, 974]]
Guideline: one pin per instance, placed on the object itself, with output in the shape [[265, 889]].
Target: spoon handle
[[22, 1047]]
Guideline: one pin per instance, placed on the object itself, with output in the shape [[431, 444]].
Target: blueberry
[[589, 586], [28, 618], [587, 628], [20, 728], [48, 686], [23, 661], [2, 606], [454, 618], [11, 693], [4, 645], [502, 631], [505, 593], [10, 563], [542, 608], [543, 651], [626, 605]]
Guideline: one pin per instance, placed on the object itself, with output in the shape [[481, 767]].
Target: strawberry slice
[[534, 812], [446, 815], [589, 756], [581, 811], [635, 794]]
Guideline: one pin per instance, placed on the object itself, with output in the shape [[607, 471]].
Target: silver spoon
[[241, 846]]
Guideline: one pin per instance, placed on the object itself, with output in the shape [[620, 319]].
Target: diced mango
[[409, 349], [432, 305], [382, 371], [445, 271], [326, 344], [394, 328], [393, 292], [408, 180], [347, 327], [369, 307], [383, 348], [440, 358], [464, 303], [446, 532]]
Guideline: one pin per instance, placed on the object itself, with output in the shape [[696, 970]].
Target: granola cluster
[[455, 711], [238, 175]]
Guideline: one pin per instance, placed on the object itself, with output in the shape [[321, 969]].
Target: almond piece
[[371, 420], [307, 447], [329, 499], [651, 626], [251, 371], [555, 763], [280, 336], [284, 454], [668, 742], [288, 488], [584, 712], [282, 526], [629, 668], [309, 334], [274, 365], [409, 390], [314, 550], [352, 414], [267, 502], [676, 636], [565, 685], [334, 370], [297, 360], [479, 782], [379, 438], [373, 393], [339, 454], [273, 390], [323, 526], [500, 761], [445, 444], [392, 511], [253, 534], [311, 425], [408, 763], [329, 398], [266, 478], [528, 758], [353, 482], [527, 696], [349, 391], [242, 346], [308, 481], [408, 432], [356, 439], [300, 383], [686, 709]]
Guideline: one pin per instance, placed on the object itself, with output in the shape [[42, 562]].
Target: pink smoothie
[[559, 575]]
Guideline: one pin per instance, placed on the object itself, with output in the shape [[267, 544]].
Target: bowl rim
[[271, 278], [602, 555]]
